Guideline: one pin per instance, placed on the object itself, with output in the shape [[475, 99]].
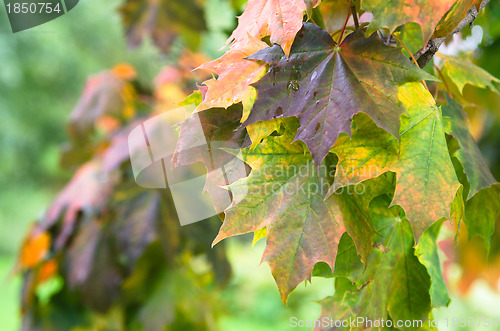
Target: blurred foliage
[[42, 73], [116, 248], [37, 62]]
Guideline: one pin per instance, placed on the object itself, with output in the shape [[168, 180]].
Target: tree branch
[[425, 54]]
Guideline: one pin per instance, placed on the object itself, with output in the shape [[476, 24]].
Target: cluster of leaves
[[356, 156], [108, 255], [386, 161]]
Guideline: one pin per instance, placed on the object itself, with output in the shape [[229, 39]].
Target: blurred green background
[[42, 73]]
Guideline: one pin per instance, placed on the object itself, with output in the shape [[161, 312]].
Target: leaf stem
[[447, 88], [347, 28], [345, 23]]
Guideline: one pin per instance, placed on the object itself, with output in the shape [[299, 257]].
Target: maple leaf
[[124, 71], [475, 175], [468, 153], [285, 194], [34, 249], [47, 271], [427, 252], [453, 17], [333, 308], [163, 20], [260, 130], [87, 191], [411, 36], [394, 281], [333, 13], [102, 96], [425, 192], [235, 76], [220, 128], [325, 85], [212, 125], [292, 220], [348, 263], [82, 251], [462, 71], [393, 13], [194, 98], [480, 217], [117, 150], [138, 216], [93, 267], [258, 235], [310, 4], [279, 19]]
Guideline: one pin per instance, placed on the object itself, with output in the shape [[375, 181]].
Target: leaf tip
[[218, 239]]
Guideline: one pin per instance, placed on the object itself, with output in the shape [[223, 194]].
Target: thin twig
[[355, 15]]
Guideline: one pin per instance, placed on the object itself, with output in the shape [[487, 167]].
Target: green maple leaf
[[426, 180], [482, 203], [261, 130], [348, 263], [481, 213], [333, 308], [324, 85], [427, 253], [462, 71], [394, 281], [456, 123], [285, 193]]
